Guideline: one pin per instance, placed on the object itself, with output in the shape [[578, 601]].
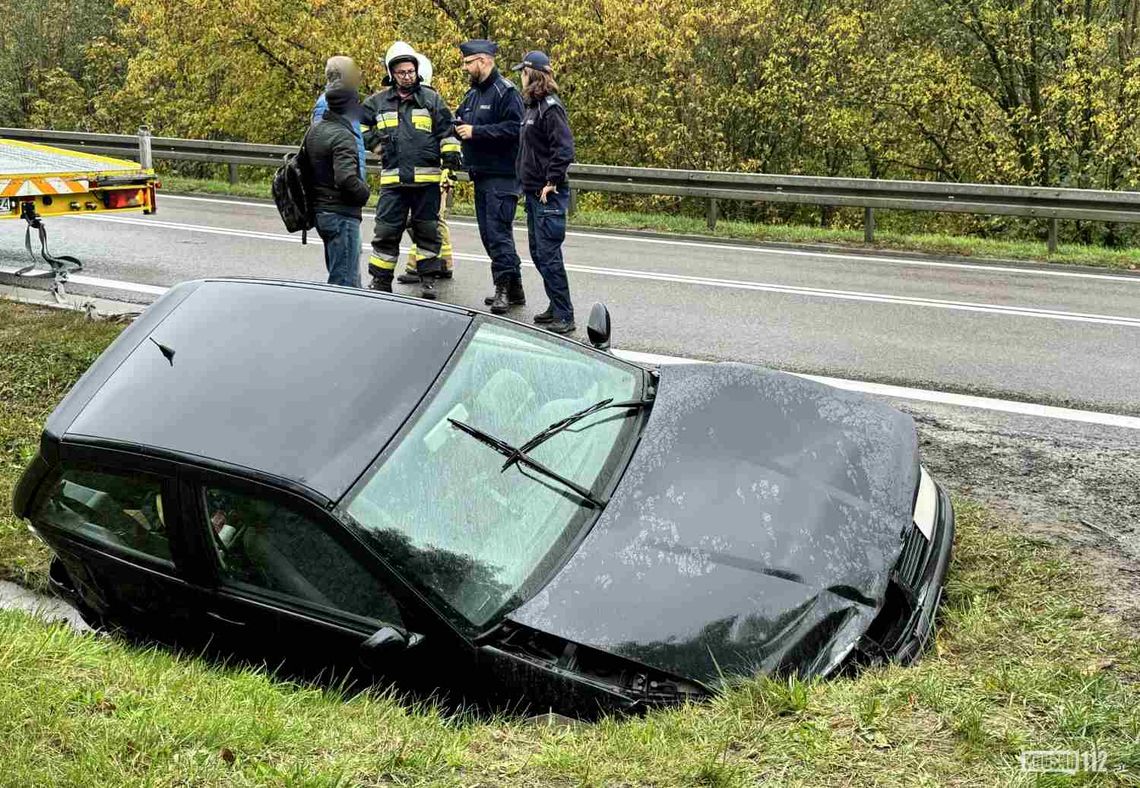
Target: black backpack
[[292, 185]]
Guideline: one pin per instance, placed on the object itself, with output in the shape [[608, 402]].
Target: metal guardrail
[[1051, 204]]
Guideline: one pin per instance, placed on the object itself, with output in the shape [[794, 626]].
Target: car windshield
[[441, 508]]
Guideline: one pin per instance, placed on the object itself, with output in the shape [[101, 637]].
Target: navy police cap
[[533, 59], [478, 46]]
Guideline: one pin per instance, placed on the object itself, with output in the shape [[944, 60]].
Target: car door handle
[[224, 620]]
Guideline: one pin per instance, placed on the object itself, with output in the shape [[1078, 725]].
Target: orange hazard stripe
[[34, 186], [56, 185]]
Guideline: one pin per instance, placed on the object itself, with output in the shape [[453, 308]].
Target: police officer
[[546, 150], [488, 124], [450, 149], [410, 124]]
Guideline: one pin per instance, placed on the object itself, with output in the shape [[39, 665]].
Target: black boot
[[515, 294], [428, 285], [383, 284], [408, 278], [561, 326], [499, 303], [545, 317]]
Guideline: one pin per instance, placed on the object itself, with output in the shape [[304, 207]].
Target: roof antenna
[[167, 353]]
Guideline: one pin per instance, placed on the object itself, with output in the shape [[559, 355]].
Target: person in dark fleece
[[339, 189]]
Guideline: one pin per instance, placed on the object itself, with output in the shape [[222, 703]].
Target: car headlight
[[926, 505]]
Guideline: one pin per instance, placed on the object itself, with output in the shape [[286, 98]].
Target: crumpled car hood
[[753, 531]]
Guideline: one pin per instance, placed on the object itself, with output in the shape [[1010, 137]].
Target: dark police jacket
[[495, 109], [410, 135], [546, 145], [334, 164]]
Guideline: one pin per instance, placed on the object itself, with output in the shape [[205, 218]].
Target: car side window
[[116, 509], [263, 544]]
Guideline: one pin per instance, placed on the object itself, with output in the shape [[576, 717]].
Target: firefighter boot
[[427, 283], [381, 282]]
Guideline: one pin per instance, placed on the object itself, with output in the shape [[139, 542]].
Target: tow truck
[[38, 181]]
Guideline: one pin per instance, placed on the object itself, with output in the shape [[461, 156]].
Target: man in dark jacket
[[411, 123], [339, 191], [488, 124], [341, 72]]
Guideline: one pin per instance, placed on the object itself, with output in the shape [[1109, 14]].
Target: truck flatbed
[[37, 181], [54, 181], [27, 158]]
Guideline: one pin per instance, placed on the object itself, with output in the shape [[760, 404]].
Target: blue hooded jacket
[[319, 110]]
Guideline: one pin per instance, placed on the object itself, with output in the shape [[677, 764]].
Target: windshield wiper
[[518, 455], [556, 427]]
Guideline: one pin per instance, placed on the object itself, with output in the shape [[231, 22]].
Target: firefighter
[[449, 149], [411, 122]]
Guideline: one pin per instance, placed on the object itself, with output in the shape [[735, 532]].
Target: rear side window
[[271, 547], [118, 510]]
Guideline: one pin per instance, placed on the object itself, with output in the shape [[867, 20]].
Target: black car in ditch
[[429, 493]]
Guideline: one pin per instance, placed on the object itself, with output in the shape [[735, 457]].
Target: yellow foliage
[[990, 90]]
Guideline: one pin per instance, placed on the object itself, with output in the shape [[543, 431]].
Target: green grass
[[1022, 660], [42, 353], [177, 184], [930, 243]]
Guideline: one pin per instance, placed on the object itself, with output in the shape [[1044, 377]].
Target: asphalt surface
[[1050, 335], [1058, 336]]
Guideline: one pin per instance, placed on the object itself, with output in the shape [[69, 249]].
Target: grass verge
[[940, 244], [42, 353], [1022, 661]]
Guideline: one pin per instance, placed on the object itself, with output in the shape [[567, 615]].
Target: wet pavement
[[49, 608]]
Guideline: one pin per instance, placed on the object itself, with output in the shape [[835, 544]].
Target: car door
[[288, 581], [112, 519]]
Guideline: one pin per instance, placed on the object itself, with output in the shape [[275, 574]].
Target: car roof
[[302, 382]]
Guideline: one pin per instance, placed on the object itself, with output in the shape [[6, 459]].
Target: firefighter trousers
[[447, 265], [400, 208]]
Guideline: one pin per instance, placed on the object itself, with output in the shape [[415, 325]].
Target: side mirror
[[598, 327], [384, 644]]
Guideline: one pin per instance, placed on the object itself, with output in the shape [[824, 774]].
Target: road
[[1059, 336], [937, 327]]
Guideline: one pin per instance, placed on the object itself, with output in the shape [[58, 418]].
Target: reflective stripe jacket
[[414, 137]]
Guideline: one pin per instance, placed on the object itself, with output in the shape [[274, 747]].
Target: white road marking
[[201, 228], [760, 250], [925, 395], [659, 276], [862, 386], [163, 196], [90, 281]]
